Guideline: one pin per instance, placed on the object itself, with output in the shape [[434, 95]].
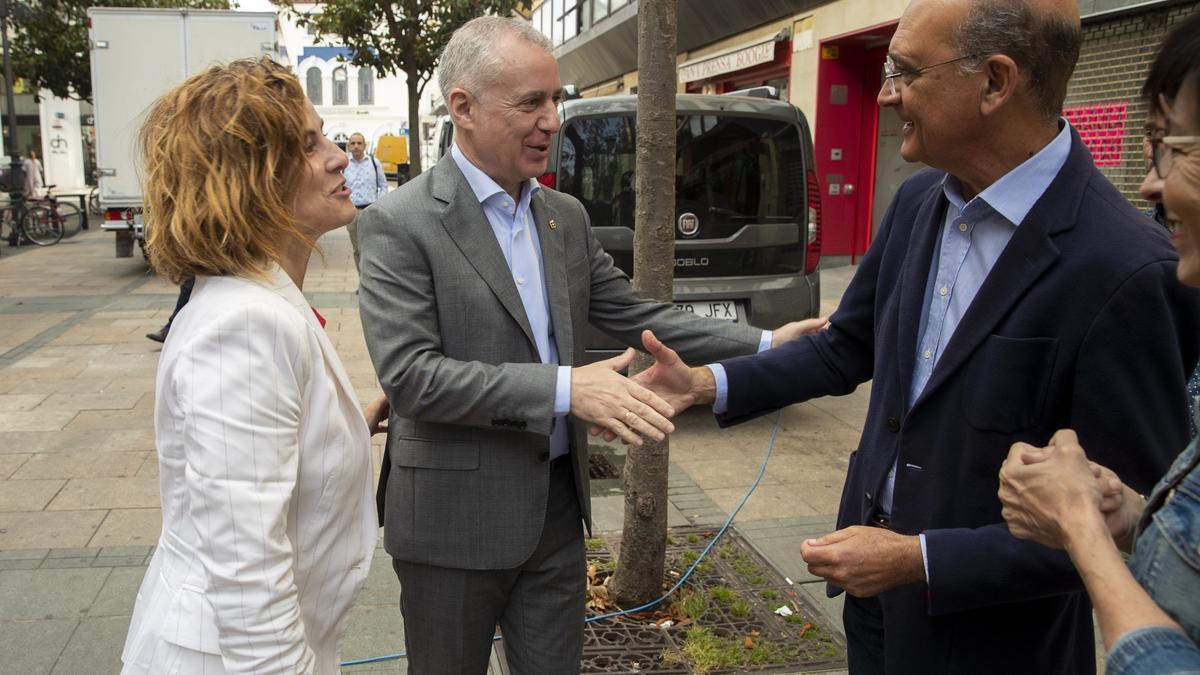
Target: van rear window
[[730, 170]]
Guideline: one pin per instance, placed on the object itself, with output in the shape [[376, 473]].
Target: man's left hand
[[865, 561], [790, 331]]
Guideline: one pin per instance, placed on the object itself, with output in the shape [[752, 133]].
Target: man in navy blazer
[[1009, 293]]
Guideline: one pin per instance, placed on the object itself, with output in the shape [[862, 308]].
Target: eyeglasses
[[890, 73], [1164, 149]]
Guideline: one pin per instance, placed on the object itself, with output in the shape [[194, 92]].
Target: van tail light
[[548, 179], [812, 256]]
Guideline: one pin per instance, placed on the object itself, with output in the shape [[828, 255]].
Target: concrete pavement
[[78, 475]]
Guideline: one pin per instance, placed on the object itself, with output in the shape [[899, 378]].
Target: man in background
[[367, 183]]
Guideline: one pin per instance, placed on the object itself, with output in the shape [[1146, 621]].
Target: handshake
[[638, 408]]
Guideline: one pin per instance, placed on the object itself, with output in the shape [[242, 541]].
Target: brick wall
[[1104, 96]]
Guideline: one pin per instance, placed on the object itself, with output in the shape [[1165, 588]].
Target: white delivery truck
[[138, 55]]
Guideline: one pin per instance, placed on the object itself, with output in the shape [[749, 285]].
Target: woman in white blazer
[[264, 453]]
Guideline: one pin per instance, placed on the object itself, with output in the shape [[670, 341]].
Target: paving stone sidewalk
[[78, 476]]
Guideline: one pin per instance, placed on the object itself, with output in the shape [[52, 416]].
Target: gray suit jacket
[[465, 475]]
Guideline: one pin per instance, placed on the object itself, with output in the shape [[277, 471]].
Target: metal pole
[[16, 183]]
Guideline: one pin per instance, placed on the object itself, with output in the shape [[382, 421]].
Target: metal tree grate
[[637, 645]]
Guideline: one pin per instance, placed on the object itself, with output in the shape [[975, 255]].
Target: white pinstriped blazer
[[265, 477]]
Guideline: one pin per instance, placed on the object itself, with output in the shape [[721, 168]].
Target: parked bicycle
[[51, 211], [44, 228]]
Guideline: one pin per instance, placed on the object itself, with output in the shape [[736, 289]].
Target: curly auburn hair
[[222, 156]]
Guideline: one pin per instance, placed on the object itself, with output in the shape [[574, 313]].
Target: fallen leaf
[[748, 643], [807, 627]]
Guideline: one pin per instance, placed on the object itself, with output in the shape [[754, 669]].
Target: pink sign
[[1102, 128]]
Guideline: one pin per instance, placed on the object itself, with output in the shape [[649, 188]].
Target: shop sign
[[726, 63]]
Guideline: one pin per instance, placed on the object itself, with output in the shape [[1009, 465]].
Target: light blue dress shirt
[[366, 180], [514, 227]]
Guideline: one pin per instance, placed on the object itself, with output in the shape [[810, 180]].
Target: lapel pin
[[553, 225]]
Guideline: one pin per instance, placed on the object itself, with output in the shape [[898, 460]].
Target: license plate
[[725, 310]]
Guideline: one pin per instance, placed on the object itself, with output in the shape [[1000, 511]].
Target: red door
[[845, 138]]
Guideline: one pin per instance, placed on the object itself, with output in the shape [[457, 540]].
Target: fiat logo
[[689, 224]]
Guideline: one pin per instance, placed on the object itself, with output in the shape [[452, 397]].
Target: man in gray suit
[[476, 284]]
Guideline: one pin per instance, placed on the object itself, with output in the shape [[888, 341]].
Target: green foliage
[[740, 609], [769, 595], [671, 541], [593, 544], [397, 37], [49, 40], [693, 539]]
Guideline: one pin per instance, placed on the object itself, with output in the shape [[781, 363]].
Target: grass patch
[[671, 541], [693, 604], [769, 595], [693, 539], [593, 544], [723, 595], [705, 652], [740, 609]]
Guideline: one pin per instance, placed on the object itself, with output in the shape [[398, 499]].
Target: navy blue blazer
[[1081, 324]]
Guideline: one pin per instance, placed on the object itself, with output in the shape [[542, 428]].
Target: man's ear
[[1003, 79], [461, 107]]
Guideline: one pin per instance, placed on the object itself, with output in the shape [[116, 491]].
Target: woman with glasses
[[1148, 610], [268, 516]]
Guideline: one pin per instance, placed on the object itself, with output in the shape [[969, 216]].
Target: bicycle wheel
[[72, 219], [42, 226]]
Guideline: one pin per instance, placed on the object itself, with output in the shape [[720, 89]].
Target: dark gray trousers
[[450, 615]]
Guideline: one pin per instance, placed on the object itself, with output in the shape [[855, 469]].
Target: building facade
[[826, 57], [349, 98]]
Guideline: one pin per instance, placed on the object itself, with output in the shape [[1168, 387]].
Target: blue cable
[[762, 469]]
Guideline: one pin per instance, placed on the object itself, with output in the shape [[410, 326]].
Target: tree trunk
[[639, 574], [414, 123]]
